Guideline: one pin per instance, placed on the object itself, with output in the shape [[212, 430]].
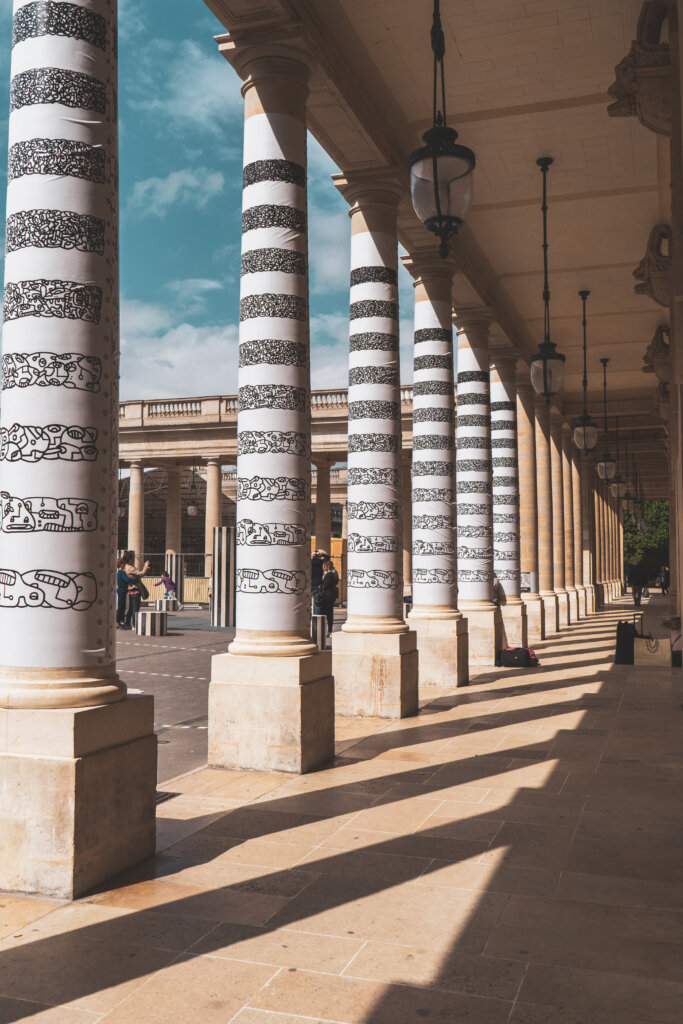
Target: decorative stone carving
[[643, 78], [657, 356], [653, 272]]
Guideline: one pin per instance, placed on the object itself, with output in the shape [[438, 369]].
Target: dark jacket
[[123, 581], [328, 590], [637, 576], [316, 571]]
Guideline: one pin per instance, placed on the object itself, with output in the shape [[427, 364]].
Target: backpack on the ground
[[626, 632], [518, 657]]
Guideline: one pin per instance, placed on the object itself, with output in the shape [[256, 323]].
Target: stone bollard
[[163, 604], [151, 623], [319, 631]]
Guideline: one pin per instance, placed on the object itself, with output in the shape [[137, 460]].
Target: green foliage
[[651, 548]]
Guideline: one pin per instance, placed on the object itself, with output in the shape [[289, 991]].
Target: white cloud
[[190, 186], [131, 21], [190, 293]]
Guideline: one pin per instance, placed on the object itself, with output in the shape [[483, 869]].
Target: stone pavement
[[511, 854]]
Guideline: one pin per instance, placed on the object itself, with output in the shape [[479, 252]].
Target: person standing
[[134, 587], [328, 592], [317, 560], [637, 578], [123, 581]]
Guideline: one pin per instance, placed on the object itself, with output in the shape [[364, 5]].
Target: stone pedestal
[[271, 714], [535, 616], [550, 612], [562, 608], [515, 624], [591, 599], [77, 801], [573, 601], [376, 674], [443, 645], [581, 601], [485, 625]]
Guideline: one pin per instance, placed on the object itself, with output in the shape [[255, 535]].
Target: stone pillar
[[136, 510], [506, 553], [528, 508], [588, 533], [557, 488], [271, 699], [474, 489], [441, 629], [173, 511], [545, 515], [579, 581], [213, 509], [407, 512], [600, 537], [611, 545], [345, 521], [375, 653], [323, 515], [77, 758], [568, 509]]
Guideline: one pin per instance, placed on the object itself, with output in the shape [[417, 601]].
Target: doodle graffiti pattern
[[251, 534], [433, 494], [438, 522], [273, 352], [432, 469], [373, 410], [57, 85], [280, 442], [373, 275], [432, 547], [389, 477], [271, 216], [433, 576], [272, 396], [373, 442], [55, 229], [432, 442], [505, 517], [45, 18], [373, 579], [373, 509], [505, 481], [474, 531], [373, 375], [271, 488], [48, 369], [475, 576], [46, 515], [508, 574], [272, 304], [270, 581], [22, 443], [274, 170], [467, 552], [46, 588], [58, 157], [287, 261], [373, 341], [472, 487], [474, 465], [371, 545], [65, 300]]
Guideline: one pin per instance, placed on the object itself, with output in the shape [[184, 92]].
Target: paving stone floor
[[512, 853]]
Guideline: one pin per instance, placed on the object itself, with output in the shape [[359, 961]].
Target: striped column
[[558, 518], [375, 496], [441, 627], [474, 488], [77, 761], [568, 509], [544, 498], [223, 577], [273, 725], [528, 511], [579, 581], [174, 566], [505, 464]]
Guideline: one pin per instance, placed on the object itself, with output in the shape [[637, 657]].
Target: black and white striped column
[[506, 513], [441, 629], [474, 488], [60, 350], [175, 567], [223, 577], [261, 715], [375, 529]]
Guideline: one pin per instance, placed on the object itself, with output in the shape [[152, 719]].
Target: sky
[[181, 118]]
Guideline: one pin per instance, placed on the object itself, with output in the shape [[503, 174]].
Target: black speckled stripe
[[287, 261], [274, 170], [46, 18], [271, 304], [433, 363], [433, 334], [272, 216], [470, 376], [373, 410], [58, 85], [373, 341], [373, 275], [372, 307]]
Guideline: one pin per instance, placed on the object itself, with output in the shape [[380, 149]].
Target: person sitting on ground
[[134, 590], [170, 593], [328, 592], [637, 578]]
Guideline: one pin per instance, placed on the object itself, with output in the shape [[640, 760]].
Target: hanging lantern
[[121, 511], [192, 509], [585, 432], [441, 172], [547, 365], [606, 467]]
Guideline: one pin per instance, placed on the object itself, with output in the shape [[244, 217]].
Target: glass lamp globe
[[585, 434], [606, 467], [192, 511], [444, 168], [547, 370], [618, 488], [121, 511]]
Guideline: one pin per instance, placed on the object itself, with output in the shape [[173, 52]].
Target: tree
[[650, 548]]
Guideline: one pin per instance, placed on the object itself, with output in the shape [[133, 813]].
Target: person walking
[[135, 587], [665, 579], [170, 592], [328, 593], [637, 578]]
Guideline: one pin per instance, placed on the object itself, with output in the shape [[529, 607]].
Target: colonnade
[[505, 520]]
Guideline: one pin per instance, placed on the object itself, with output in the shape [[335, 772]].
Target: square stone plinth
[[581, 602], [271, 714], [515, 625], [78, 795], [443, 646], [535, 617], [562, 609], [573, 598], [550, 613], [375, 674], [485, 627]]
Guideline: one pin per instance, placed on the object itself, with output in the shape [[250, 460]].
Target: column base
[[515, 624], [443, 646], [550, 611], [271, 715], [562, 608], [573, 600], [485, 626], [375, 674], [591, 599], [535, 617], [78, 800], [601, 595], [581, 602]]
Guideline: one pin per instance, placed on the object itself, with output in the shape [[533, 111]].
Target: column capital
[[215, 460], [424, 265], [322, 461], [477, 319], [370, 187], [504, 361], [284, 57]]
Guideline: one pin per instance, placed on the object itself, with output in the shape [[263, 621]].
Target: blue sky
[[181, 174]]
